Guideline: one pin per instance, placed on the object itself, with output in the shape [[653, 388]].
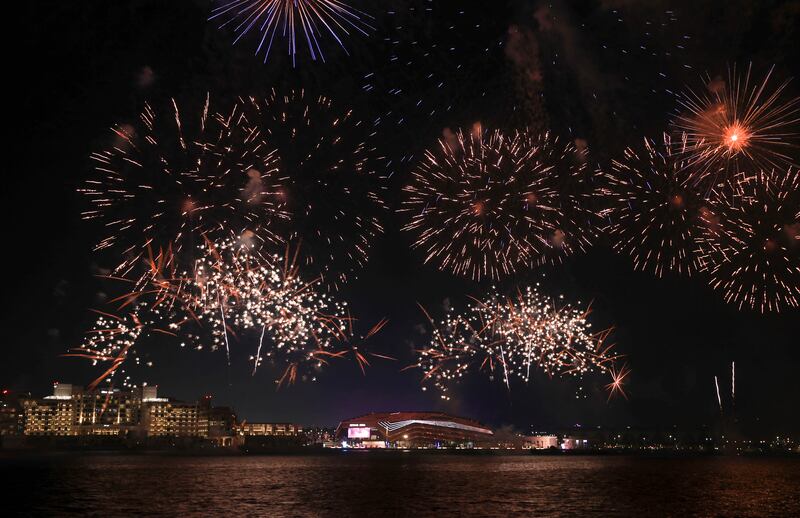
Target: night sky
[[600, 71]]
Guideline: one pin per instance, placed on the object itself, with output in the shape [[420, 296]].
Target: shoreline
[[330, 452]]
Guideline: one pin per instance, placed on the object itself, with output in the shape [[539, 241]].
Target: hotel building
[[71, 411]]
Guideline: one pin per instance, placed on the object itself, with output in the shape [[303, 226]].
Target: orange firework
[[617, 381], [738, 126]]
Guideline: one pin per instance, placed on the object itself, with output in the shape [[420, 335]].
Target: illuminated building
[[248, 429], [174, 419], [412, 430], [574, 443], [540, 442], [54, 415], [107, 412], [71, 411]]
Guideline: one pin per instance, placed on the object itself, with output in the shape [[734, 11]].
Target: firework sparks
[[295, 20], [752, 245], [656, 211], [331, 177], [509, 336], [739, 126], [234, 292], [617, 381], [112, 340], [172, 177], [484, 205]]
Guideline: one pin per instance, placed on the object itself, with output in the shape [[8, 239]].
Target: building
[[540, 442], [54, 415], [412, 430], [222, 428], [134, 413], [169, 418], [262, 429], [574, 443], [12, 417], [271, 437]]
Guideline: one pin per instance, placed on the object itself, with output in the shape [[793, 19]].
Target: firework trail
[[484, 205], [314, 21], [511, 335], [751, 242], [176, 175], [719, 398], [656, 211], [738, 126], [332, 178]]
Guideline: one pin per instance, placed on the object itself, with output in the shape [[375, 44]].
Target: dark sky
[[601, 71]]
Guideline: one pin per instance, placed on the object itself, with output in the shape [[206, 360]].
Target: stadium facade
[[412, 430]]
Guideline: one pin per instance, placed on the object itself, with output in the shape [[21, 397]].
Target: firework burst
[[332, 177], [314, 21], [752, 244], [507, 337], [232, 296], [739, 126], [656, 212], [483, 205], [175, 175], [112, 341]]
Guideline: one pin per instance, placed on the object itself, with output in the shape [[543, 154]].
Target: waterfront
[[403, 484]]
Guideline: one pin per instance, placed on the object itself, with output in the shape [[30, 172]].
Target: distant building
[[412, 430], [12, 418], [222, 429], [71, 411], [174, 419], [540, 442], [261, 429], [574, 443]]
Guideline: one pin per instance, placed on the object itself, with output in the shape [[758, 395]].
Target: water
[[360, 484]]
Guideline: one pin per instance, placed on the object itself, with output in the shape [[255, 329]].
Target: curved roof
[[393, 422]]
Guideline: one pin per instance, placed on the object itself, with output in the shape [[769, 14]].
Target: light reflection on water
[[362, 484]]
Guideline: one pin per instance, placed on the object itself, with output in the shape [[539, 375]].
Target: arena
[[411, 430]]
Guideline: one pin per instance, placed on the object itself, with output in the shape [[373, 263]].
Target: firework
[[174, 176], [112, 341], [484, 205], [752, 244], [233, 295], [656, 211], [294, 20], [739, 126], [617, 381], [331, 177], [506, 337]]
